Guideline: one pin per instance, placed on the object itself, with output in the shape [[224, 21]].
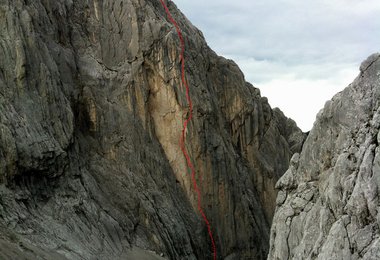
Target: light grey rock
[[328, 203]]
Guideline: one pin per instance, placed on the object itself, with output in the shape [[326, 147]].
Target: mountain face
[[328, 201], [91, 113]]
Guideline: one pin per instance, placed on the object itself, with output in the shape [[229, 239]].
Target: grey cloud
[[291, 47], [294, 30]]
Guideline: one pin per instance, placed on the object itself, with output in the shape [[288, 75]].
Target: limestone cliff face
[[91, 109], [328, 205]]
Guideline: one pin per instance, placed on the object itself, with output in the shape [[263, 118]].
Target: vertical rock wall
[[91, 109]]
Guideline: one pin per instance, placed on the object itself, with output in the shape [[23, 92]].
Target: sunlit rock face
[[328, 202], [91, 112]]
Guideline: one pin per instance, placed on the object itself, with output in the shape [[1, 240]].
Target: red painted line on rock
[[187, 120]]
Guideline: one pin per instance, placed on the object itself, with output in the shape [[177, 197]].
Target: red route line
[[188, 119]]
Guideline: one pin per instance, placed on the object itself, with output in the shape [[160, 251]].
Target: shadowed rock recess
[[91, 109], [328, 205]]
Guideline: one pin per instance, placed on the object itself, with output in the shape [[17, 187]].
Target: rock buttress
[[328, 201], [91, 109]]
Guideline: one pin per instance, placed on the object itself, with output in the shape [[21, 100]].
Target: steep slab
[[91, 111]]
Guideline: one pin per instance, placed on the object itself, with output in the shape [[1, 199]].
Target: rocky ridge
[[328, 201], [91, 110]]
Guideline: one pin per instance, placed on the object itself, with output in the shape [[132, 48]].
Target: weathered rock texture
[[91, 109], [328, 205]]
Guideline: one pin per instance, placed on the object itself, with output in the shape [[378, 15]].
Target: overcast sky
[[298, 52]]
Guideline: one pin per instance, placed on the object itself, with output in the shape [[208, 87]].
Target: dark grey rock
[[91, 110]]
